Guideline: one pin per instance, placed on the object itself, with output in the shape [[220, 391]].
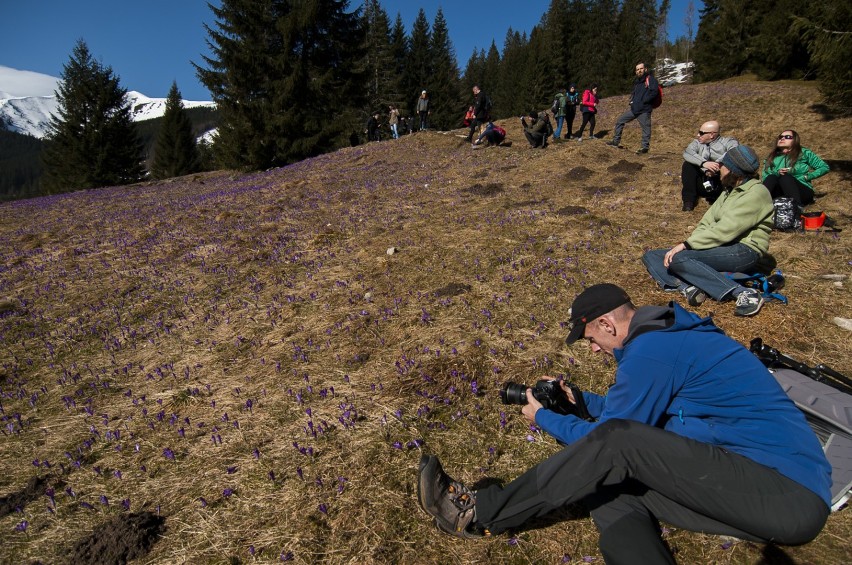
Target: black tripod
[[773, 358]]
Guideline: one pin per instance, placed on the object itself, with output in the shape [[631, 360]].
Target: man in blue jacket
[[645, 91], [694, 432]]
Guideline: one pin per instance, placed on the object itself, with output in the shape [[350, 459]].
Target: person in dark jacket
[[373, 128], [573, 100], [481, 111], [694, 431], [645, 91]]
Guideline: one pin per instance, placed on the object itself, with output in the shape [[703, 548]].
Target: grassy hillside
[[241, 357]]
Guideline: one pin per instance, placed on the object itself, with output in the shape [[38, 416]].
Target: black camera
[[549, 394]]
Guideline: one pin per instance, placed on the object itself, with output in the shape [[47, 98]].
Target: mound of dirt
[[579, 173], [452, 289], [119, 540], [625, 167], [489, 189], [11, 502], [572, 211]]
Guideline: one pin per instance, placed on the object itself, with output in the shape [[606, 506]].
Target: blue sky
[[150, 43]]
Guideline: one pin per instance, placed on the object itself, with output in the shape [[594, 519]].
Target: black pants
[[588, 118], [535, 139], [570, 114], [692, 177], [630, 475], [787, 185], [423, 120], [474, 126]]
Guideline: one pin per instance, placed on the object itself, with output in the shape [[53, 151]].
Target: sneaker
[[694, 295], [613, 143], [749, 303], [450, 503], [642, 151], [688, 206], [580, 139]]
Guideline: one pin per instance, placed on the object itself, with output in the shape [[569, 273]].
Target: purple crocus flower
[[169, 454]]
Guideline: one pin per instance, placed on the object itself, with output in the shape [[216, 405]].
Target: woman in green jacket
[[732, 236], [790, 168]]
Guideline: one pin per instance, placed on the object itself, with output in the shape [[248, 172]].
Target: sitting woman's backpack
[[788, 216]]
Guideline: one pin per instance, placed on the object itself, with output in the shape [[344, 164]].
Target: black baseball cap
[[593, 302]]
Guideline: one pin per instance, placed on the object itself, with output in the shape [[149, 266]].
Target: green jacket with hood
[[742, 214]]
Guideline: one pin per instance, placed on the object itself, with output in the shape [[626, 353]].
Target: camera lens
[[513, 393]]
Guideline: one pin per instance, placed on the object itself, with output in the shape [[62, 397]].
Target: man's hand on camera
[[531, 407]]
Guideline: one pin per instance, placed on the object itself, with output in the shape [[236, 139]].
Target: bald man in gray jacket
[[701, 162]]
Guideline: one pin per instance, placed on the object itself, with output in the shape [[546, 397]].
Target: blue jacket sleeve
[[641, 393]]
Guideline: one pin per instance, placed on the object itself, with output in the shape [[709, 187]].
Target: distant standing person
[[559, 108], [423, 110], [373, 128], [571, 103], [789, 169], [481, 111], [645, 91], [702, 161], [393, 120], [589, 107]]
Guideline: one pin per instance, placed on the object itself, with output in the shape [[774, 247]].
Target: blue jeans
[[701, 268], [644, 121], [558, 131]]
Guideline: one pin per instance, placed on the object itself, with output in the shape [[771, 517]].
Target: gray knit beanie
[[741, 161]]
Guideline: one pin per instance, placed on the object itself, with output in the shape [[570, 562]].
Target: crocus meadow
[[239, 355]]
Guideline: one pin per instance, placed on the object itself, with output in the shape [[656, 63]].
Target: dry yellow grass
[[240, 354]]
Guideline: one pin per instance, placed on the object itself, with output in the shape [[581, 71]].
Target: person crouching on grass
[[695, 432], [732, 236]]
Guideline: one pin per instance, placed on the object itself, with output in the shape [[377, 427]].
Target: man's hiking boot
[[749, 303], [450, 503], [688, 206], [694, 295], [642, 151], [614, 144]]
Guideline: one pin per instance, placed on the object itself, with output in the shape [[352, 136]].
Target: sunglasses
[[787, 136], [705, 132]]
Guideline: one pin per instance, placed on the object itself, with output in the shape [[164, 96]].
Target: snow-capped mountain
[[27, 102]]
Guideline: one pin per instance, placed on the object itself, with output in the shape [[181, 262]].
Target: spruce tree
[[448, 105], [491, 71], [827, 36], [399, 54], [722, 43], [382, 83], [474, 72], [92, 140], [636, 31], [418, 67], [287, 78], [175, 152], [510, 95]]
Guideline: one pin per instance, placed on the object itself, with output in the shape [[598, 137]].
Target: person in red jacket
[[589, 107]]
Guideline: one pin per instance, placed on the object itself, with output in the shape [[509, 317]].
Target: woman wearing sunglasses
[[790, 168]]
